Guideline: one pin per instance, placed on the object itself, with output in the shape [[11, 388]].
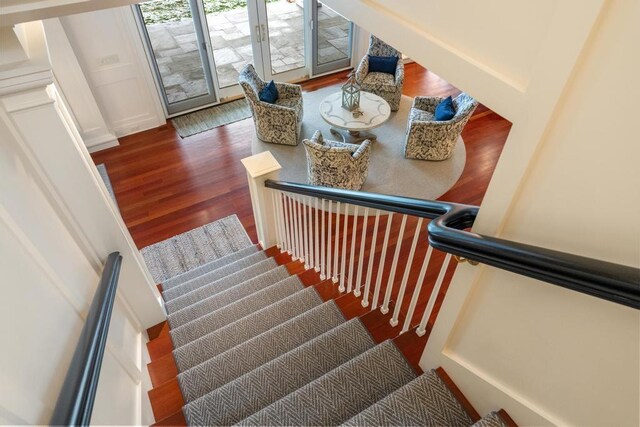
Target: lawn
[[159, 11]]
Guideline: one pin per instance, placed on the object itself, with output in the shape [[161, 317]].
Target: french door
[[198, 47]]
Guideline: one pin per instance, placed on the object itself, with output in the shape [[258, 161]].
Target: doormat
[[204, 120]]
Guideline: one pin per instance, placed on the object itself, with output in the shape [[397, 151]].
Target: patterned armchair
[[428, 139], [277, 123], [337, 164], [382, 84]]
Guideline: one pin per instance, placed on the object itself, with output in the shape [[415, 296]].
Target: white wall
[[57, 226], [123, 87], [546, 354]]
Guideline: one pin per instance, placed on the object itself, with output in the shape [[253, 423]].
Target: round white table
[[375, 111]]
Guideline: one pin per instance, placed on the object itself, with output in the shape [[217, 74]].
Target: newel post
[[260, 168]]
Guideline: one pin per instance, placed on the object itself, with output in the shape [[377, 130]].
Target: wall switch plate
[[109, 59]]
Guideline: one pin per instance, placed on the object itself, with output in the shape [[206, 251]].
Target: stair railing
[[75, 401], [372, 244]]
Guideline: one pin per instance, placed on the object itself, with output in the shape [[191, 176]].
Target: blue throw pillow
[[445, 110], [269, 93], [383, 64]]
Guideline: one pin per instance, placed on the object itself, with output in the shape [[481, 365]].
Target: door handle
[[263, 32]]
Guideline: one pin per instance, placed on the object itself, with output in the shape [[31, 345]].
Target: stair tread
[[342, 393], [227, 296], [425, 401], [211, 276], [267, 346], [276, 379], [196, 296], [207, 267], [194, 248], [235, 311], [241, 330]]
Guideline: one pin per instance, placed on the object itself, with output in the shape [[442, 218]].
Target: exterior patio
[[175, 47]]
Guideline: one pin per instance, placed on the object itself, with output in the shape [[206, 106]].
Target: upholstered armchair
[[337, 164], [428, 139], [278, 123], [384, 85]]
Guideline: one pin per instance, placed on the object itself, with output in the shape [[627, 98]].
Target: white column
[[75, 89], [260, 168], [30, 108]]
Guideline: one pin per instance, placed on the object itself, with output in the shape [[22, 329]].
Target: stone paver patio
[[178, 58]]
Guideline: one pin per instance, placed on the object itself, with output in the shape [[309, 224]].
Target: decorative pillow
[[383, 64], [269, 93], [445, 110]]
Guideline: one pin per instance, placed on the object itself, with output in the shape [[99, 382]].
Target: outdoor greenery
[[159, 11]]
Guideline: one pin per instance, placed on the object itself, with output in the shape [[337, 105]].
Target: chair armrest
[[276, 108], [288, 90], [426, 103], [363, 69], [363, 149], [400, 72]]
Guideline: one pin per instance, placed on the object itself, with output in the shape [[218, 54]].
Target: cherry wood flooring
[[166, 185]]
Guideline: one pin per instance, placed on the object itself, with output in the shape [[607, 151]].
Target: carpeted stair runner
[[425, 401], [254, 346], [194, 248], [200, 294], [232, 312], [279, 377], [236, 333], [493, 419], [342, 393], [241, 359], [212, 276], [207, 267]]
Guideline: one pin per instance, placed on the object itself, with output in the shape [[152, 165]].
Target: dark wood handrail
[[76, 398], [447, 232]]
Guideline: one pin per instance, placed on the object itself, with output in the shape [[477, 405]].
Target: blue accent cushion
[[383, 64], [445, 110], [269, 93]]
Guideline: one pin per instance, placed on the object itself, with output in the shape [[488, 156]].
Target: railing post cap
[[261, 164]]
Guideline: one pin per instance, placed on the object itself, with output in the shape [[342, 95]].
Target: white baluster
[[354, 232], [363, 238], [305, 232], [310, 261], [335, 247], [422, 329], [283, 235], [294, 229], [300, 231], [329, 241], [287, 222], [274, 206], [416, 291], [372, 253], [405, 277], [394, 264], [383, 255], [342, 287], [323, 265], [278, 218], [316, 241]]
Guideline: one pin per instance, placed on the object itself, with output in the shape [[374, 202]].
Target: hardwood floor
[[166, 185]]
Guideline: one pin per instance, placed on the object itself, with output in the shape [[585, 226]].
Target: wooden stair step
[[166, 399], [162, 369], [175, 419]]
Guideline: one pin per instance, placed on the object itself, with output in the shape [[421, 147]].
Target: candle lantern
[[351, 93]]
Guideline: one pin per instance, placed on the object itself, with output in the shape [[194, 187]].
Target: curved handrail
[[76, 398], [602, 279]]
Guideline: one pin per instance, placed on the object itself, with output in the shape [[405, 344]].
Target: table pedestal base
[[352, 137]]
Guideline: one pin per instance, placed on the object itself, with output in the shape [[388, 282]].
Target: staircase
[[254, 338]]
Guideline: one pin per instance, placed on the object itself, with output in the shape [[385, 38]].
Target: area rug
[[389, 171], [194, 248], [102, 170], [203, 120]]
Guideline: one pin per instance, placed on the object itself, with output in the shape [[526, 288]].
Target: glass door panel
[[282, 35], [332, 36], [232, 41], [177, 47]]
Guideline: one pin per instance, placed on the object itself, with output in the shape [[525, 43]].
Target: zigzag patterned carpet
[[254, 346]]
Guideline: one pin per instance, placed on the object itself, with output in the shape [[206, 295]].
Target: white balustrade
[[422, 328], [363, 239], [416, 290], [394, 265], [383, 256], [337, 238], [407, 271], [344, 252], [372, 254]]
